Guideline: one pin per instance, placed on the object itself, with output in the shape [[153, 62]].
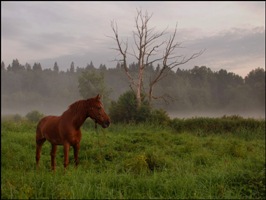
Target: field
[[195, 158]]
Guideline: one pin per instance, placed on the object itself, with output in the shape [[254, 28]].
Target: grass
[[138, 162]]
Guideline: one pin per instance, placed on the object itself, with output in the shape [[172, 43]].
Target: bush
[[12, 118], [17, 118], [34, 116], [159, 116], [125, 110], [232, 124]]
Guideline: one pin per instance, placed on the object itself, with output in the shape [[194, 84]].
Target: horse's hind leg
[[39, 143], [66, 151], [53, 153]]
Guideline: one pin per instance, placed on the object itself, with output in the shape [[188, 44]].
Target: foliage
[[34, 116], [159, 116], [192, 90], [125, 110], [143, 161], [92, 83], [255, 82], [12, 118], [227, 124], [17, 118]]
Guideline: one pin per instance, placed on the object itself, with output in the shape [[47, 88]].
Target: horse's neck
[[78, 114], [78, 121]]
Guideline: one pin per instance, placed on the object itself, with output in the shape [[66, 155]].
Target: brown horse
[[65, 129]]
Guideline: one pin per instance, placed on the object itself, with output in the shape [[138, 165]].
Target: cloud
[[232, 49], [236, 50], [76, 31]]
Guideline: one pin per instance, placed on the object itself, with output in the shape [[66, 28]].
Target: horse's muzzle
[[106, 124]]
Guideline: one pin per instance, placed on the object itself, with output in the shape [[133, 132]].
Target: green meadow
[[184, 159]]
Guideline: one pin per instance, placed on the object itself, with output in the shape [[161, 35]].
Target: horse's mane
[[78, 107], [78, 111]]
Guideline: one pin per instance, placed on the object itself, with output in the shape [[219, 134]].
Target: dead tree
[[149, 49]]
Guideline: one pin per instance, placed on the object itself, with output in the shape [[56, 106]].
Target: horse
[[65, 129]]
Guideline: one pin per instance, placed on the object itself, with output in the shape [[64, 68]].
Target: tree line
[[26, 88]]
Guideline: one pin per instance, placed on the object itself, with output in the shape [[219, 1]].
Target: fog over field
[[59, 109], [199, 92], [244, 114]]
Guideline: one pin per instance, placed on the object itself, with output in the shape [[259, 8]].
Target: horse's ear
[[98, 97]]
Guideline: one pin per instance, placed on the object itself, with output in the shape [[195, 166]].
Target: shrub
[[125, 110], [137, 164], [17, 118], [160, 116], [232, 124], [34, 116]]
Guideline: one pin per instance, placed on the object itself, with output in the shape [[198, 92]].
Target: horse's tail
[[40, 139], [39, 134]]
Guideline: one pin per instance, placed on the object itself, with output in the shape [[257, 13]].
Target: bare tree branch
[[122, 52], [168, 65], [149, 49], [165, 97]]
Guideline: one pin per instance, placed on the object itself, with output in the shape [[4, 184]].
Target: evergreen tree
[[92, 83], [28, 67], [72, 67], [16, 66], [102, 67], [37, 67], [56, 68], [9, 68], [118, 66], [3, 66], [90, 66]]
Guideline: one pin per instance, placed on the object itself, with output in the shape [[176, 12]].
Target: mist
[[58, 109], [197, 92], [217, 114]]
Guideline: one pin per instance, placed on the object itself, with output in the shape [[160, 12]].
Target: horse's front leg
[[66, 152], [53, 153], [76, 153]]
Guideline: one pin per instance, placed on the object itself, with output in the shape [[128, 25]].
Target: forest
[[184, 92]]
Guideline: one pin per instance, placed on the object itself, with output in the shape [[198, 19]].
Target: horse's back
[[47, 124], [47, 119]]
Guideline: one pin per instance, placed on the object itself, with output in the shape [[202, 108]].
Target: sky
[[231, 32]]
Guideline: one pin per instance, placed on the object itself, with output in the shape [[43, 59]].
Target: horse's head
[[97, 113]]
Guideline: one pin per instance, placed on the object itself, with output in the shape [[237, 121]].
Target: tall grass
[[236, 125], [140, 161]]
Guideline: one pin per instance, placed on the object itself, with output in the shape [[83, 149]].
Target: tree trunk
[[148, 51], [150, 94], [139, 85]]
